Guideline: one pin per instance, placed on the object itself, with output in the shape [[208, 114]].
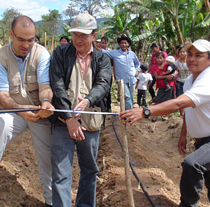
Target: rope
[[15, 110], [132, 169]]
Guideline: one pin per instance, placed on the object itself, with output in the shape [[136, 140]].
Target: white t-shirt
[[198, 118], [144, 78], [183, 71]]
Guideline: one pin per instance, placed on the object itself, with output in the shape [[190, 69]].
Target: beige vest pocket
[[92, 122]]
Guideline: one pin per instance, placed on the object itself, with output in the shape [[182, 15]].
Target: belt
[[197, 140]]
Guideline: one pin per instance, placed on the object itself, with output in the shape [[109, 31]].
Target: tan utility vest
[[29, 94], [81, 88]]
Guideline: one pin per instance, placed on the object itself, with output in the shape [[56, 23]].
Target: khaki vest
[[29, 94], [81, 88]]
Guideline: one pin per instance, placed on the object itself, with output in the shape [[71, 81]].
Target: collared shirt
[[42, 70], [85, 61], [198, 118], [126, 65]]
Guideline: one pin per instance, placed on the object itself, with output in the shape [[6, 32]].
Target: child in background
[[143, 83], [171, 68]]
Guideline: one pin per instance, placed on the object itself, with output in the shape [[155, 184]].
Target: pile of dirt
[[153, 154]]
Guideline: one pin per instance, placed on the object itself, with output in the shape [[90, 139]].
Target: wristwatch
[[146, 112]]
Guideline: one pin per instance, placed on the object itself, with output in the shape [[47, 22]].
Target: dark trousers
[[166, 81], [141, 97], [151, 90], [196, 169]]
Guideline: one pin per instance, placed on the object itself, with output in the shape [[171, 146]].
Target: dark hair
[[208, 54], [64, 37], [105, 38], [94, 30], [180, 47], [154, 45], [19, 18], [37, 37], [144, 67], [160, 54]]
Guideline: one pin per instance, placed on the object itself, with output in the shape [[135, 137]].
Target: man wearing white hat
[[196, 101], [80, 78]]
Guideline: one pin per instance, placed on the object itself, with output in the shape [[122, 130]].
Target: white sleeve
[[169, 68], [199, 93], [176, 63], [4, 83], [150, 77]]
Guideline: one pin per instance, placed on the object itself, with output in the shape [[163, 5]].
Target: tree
[[50, 21], [71, 11], [7, 19], [93, 7]]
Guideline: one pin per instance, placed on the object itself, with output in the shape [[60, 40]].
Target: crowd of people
[[78, 76]]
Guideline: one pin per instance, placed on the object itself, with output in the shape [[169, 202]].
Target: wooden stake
[[37, 30], [103, 32], [45, 39], [52, 48], [125, 146], [4, 42]]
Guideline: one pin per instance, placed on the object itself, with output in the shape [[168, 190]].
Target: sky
[[34, 8]]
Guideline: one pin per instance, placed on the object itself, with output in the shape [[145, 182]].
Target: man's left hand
[[46, 113]]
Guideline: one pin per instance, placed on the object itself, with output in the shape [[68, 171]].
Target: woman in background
[[64, 40]]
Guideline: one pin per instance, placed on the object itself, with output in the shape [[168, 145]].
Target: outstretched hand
[[132, 115]]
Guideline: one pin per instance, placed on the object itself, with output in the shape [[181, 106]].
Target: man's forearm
[[171, 106], [6, 101], [184, 128], [45, 93]]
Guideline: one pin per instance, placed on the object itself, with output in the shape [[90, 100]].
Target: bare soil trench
[[153, 154]]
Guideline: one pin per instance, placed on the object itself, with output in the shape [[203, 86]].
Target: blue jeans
[[129, 96], [63, 147], [196, 169], [179, 88]]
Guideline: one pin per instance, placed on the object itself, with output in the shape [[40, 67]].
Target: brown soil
[[153, 154]]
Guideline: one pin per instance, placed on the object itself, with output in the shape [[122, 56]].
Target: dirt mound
[[153, 154]]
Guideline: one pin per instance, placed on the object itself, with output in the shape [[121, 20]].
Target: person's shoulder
[[149, 75], [3, 50], [132, 52], [165, 53], [63, 51], [176, 63], [140, 75], [39, 47], [100, 55]]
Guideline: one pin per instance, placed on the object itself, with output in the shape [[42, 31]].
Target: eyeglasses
[[82, 36], [20, 39]]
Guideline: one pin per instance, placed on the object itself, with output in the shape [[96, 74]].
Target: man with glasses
[[80, 79], [24, 83]]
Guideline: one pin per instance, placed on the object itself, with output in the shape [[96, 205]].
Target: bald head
[[23, 20]]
